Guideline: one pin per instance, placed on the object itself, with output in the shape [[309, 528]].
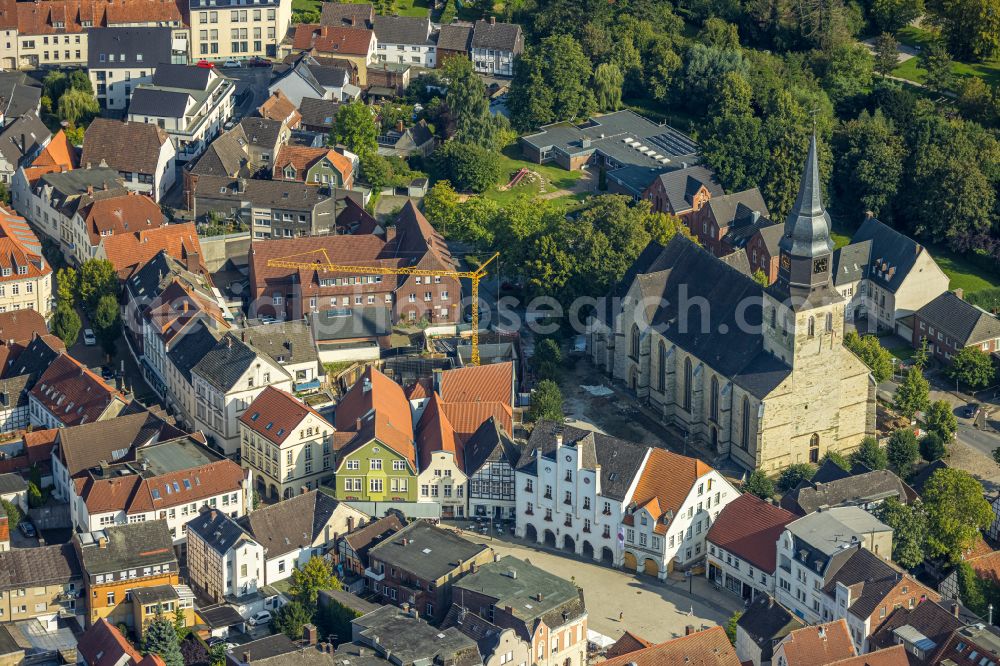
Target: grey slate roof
[[892, 254], [226, 362], [502, 36], [725, 208], [23, 137], [490, 443], [217, 530], [226, 156], [84, 446], [348, 324], [823, 535], [287, 342], [853, 490], [267, 647], [318, 112], [12, 483], [131, 47], [182, 76], [130, 546], [930, 619], [738, 260], [18, 94], [807, 227], [850, 263], [403, 30], [262, 132], [455, 37], [221, 615], [411, 640], [290, 524], [346, 14], [283, 194], [75, 182], [45, 565], [158, 103], [866, 569], [680, 186], [618, 459], [766, 622], [430, 552], [961, 320]]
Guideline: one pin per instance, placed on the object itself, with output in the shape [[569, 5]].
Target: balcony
[[547, 495], [529, 512], [586, 529], [548, 519], [375, 575]]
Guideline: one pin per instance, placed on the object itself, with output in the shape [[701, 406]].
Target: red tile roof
[[302, 158], [58, 155], [710, 647], [466, 417], [420, 389], [279, 107], [73, 393], [38, 444], [120, 214], [21, 326], [103, 645], [130, 251], [42, 18], [135, 495], [332, 39], [749, 527], [20, 248], [275, 414], [819, 645], [435, 433], [482, 383], [379, 403], [892, 656], [628, 643], [177, 309], [668, 479]]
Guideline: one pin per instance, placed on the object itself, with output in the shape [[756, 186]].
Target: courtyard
[[656, 610]]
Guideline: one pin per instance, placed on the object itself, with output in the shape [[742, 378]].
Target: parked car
[[27, 529], [89, 338], [204, 64], [232, 64], [258, 62], [107, 373], [972, 410], [259, 618]]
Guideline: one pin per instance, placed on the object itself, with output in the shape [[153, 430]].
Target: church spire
[[805, 246]]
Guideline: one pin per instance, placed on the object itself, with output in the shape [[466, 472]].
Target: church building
[[758, 374]]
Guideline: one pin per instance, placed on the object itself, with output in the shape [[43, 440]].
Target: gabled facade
[[442, 476], [68, 393], [105, 217], [119, 59], [494, 46], [405, 40], [491, 457], [25, 275], [142, 154], [224, 561], [42, 582]]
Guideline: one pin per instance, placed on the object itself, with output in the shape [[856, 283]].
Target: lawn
[[402, 8], [898, 347], [921, 38], [552, 177]]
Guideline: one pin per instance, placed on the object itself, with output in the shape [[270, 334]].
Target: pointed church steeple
[[805, 247]]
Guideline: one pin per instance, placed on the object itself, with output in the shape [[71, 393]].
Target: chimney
[[493, 20], [246, 657], [90, 189], [954, 608], [960, 293], [755, 217], [357, 424], [102, 542], [400, 127], [390, 233], [559, 438], [869, 215], [688, 630], [310, 634], [193, 262]]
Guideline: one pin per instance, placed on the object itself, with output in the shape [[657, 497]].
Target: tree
[[468, 167], [704, 68], [315, 575], [976, 100], [547, 360], [66, 324], [940, 420], [107, 322], [938, 64], [194, 652], [78, 107], [793, 475], [760, 277], [902, 451], [759, 484], [913, 394], [290, 618], [720, 34], [838, 459], [909, 530], [355, 128], [78, 80], [551, 82], [956, 512], [973, 367], [66, 281], [731, 626], [54, 84], [608, 81], [870, 454], [180, 624], [14, 514], [922, 355], [932, 447], [971, 28], [159, 638], [546, 402], [34, 495], [97, 278], [869, 163], [891, 15], [970, 588], [847, 73], [441, 206], [376, 170], [468, 104], [872, 353]]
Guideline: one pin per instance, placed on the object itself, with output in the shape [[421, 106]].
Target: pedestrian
[[621, 615]]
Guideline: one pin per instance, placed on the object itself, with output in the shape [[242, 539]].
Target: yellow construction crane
[[323, 264]]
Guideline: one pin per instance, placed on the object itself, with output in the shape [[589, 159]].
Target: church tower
[[803, 312]]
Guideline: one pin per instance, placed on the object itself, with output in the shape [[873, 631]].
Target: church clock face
[[820, 265], [786, 261]]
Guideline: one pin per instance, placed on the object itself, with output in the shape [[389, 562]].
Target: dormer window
[[22, 270], [289, 172], [6, 272]]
